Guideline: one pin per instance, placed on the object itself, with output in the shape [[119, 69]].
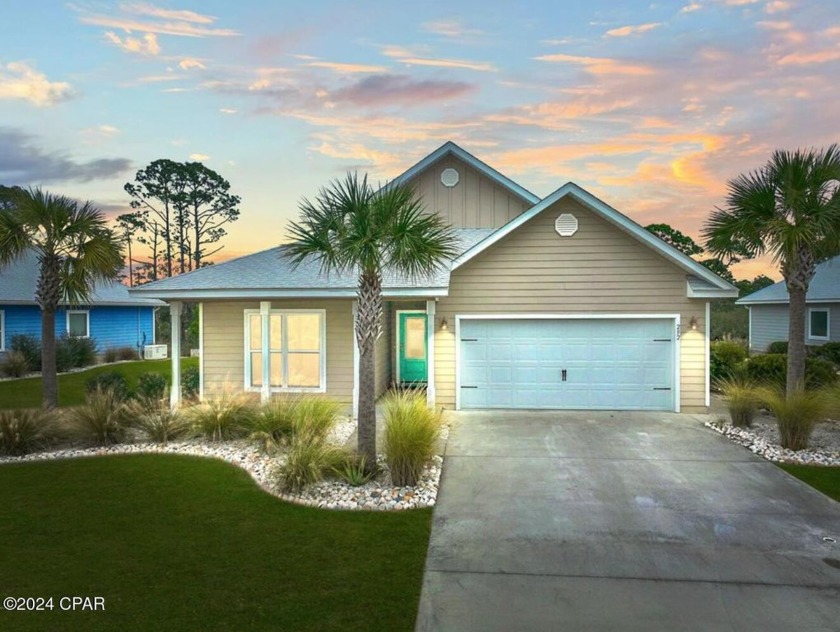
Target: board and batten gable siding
[[110, 326], [769, 323], [600, 269], [224, 344], [475, 202]]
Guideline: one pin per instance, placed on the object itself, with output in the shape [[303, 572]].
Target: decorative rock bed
[[379, 494], [763, 439]]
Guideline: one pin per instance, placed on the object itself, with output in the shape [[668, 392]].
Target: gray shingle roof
[[824, 287], [272, 270], [18, 281]]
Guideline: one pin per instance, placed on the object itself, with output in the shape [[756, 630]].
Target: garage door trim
[[543, 316]]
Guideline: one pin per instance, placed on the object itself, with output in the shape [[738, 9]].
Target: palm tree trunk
[[49, 379], [368, 328], [796, 340]]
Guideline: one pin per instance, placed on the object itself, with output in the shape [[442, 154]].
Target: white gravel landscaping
[[763, 439], [379, 494]]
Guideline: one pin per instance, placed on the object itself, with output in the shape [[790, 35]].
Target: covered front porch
[[238, 345]]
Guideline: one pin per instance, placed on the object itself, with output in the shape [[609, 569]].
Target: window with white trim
[[78, 323], [296, 348], [2, 330], [818, 324]]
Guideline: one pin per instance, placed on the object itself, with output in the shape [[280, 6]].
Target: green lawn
[[185, 543], [26, 393], [825, 479]]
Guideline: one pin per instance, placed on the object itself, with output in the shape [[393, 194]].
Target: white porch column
[[430, 351], [175, 334], [265, 322], [356, 361]]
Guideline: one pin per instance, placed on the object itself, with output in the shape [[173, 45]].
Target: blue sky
[[651, 106]]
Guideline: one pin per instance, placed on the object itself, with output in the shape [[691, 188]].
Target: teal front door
[[412, 347]]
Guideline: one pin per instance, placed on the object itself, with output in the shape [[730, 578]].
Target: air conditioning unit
[[155, 352]]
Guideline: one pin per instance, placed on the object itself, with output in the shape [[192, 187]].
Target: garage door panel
[[609, 363]]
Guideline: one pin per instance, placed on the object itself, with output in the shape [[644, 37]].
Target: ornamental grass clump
[[103, 419], [26, 430], [411, 434], [796, 413], [229, 416], [308, 460], [742, 400], [314, 417], [271, 426], [15, 364], [155, 420]]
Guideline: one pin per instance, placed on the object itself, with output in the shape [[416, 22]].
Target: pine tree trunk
[[796, 341], [368, 329], [49, 379]]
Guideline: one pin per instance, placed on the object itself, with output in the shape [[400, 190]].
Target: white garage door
[[608, 364]]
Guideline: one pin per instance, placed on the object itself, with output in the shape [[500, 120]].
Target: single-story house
[[560, 302], [770, 309], [112, 318]]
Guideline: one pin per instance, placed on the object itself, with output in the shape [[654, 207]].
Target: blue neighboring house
[[112, 319]]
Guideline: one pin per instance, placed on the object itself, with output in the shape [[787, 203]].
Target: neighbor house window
[[296, 348], [818, 324], [78, 324]]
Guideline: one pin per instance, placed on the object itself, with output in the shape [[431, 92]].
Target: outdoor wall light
[[443, 324], [693, 323]]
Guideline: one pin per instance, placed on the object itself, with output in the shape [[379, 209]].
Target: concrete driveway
[[623, 521]]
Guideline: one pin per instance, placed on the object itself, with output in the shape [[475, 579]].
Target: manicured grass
[[26, 393], [825, 479], [184, 543]]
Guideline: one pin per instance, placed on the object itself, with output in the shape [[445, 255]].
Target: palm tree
[[789, 209], [350, 227], [74, 249]]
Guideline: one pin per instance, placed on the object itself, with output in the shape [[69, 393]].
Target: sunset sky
[[650, 106]]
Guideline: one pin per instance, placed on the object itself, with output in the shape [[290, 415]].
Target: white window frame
[[86, 312], [322, 388], [2, 330], [827, 311]]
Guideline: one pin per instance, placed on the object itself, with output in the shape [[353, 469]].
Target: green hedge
[[725, 358], [772, 368]]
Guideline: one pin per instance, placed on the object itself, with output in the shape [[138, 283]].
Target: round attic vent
[[566, 225], [449, 177]]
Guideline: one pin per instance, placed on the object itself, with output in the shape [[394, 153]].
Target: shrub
[[411, 433], [15, 364], [725, 358], [103, 420], [828, 351], [307, 461], [30, 347], [354, 472], [63, 356], [780, 346], [156, 420], [25, 430], [127, 353], [110, 355], [771, 368], [151, 386], [272, 423], [742, 400], [190, 382], [228, 417], [796, 413], [82, 351], [313, 417], [109, 380]]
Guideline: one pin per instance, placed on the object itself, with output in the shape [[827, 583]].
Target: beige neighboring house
[[556, 303]]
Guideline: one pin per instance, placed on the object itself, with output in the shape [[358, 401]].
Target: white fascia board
[[209, 294], [485, 169], [611, 215], [809, 301], [711, 292]]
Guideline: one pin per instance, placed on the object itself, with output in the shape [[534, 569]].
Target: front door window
[[412, 347]]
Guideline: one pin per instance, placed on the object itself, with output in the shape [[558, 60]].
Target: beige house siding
[[224, 344], [475, 202], [384, 348], [599, 269]]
